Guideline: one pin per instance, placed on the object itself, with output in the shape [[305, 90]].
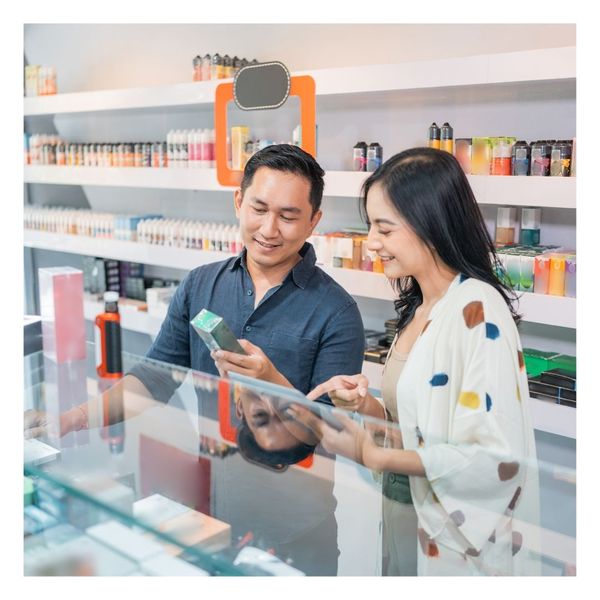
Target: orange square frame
[[302, 86]]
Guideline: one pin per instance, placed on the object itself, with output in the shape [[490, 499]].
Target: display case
[[174, 472]]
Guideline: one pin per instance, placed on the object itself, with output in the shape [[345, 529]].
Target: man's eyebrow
[[292, 209]]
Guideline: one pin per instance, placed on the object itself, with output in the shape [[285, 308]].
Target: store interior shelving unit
[[511, 83]]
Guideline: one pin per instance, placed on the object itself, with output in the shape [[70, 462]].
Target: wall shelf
[[536, 308], [536, 69], [554, 192]]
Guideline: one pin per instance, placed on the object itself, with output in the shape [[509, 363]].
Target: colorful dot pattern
[[439, 380], [469, 399], [428, 546]]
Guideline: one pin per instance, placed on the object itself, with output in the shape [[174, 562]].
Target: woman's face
[[402, 252]]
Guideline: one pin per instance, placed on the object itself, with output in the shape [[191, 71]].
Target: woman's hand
[[351, 441], [349, 392]]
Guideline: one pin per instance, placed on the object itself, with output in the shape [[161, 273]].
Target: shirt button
[[248, 328], [249, 292]]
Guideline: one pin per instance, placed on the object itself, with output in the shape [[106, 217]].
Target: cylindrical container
[[570, 276], [481, 156], [359, 157], [501, 156], [433, 138], [227, 66], [447, 138], [556, 281], [137, 155], [463, 153], [530, 226], [506, 222], [520, 158], [513, 270], [573, 158], [374, 156], [560, 159], [540, 158], [108, 338], [197, 69], [527, 268], [205, 68], [216, 65]]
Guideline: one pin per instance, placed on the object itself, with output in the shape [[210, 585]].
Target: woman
[[461, 394]]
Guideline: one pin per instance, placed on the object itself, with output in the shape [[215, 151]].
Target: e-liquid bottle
[[520, 158], [227, 66], [463, 153], [447, 138], [540, 158], [560, 159], [433, 140], [216, 66], [205, 67], [530, 226], [108, 338], [197, 69], [505, 225], [374, 156], [359, 158]]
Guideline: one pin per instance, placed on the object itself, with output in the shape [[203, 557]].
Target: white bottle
[[170, 149]]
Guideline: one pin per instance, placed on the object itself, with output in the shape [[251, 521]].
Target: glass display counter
[[174, 472]]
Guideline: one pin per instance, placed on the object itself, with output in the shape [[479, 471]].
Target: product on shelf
[[447, 138], [538, 269], [359, 157], [463, 153], [433, 136], [374, 156], [40, 81], [345, 249], [520, 158]]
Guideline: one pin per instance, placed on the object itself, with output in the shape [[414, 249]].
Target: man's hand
[[253, 364], [37, 423]]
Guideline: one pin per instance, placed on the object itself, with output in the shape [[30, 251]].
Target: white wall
[[90, 57]]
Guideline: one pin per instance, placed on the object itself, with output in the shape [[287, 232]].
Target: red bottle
[[108, 338]]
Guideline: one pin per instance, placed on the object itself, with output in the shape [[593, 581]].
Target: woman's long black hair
[[430, 191]]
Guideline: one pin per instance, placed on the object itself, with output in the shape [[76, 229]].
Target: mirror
[[262, 86]]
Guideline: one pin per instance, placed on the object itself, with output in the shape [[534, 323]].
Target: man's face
[[275, 217]]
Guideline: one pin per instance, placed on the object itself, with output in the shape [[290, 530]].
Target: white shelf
[[555, 192], [138, 177], [131, 319], [536, 308], [536, 68], [546, 416], [149, 254]]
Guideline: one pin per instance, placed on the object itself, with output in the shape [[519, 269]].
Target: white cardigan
[[470, 424]]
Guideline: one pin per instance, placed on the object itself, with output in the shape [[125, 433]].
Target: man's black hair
[[290, 159]]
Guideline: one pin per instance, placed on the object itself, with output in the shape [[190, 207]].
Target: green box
[[28, 491], [538, 361], [215, 333], [564, 361]]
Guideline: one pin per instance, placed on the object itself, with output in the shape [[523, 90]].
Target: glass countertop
[[212, 475]]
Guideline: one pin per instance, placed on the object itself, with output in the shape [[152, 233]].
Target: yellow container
[[556, 282]]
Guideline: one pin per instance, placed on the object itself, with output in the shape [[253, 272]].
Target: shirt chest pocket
[[294, 356]]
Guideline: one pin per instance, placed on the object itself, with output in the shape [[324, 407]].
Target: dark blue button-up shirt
[[308, 326]]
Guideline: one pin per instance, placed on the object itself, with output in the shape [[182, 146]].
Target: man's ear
[[314, 221], [238, 410], [237, 202]]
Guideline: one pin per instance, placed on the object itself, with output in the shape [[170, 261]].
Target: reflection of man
[[298, 326], [267, 434]]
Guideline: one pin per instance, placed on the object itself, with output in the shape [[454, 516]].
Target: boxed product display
[[61, 307]]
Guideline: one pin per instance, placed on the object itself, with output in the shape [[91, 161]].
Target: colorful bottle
[[108, 338], [359, 158], [530, 226], [433, 140], [505, 225], [520, 158], [556, 281], [447, 138]]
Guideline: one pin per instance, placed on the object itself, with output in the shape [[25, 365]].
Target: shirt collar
[[300, 274]]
